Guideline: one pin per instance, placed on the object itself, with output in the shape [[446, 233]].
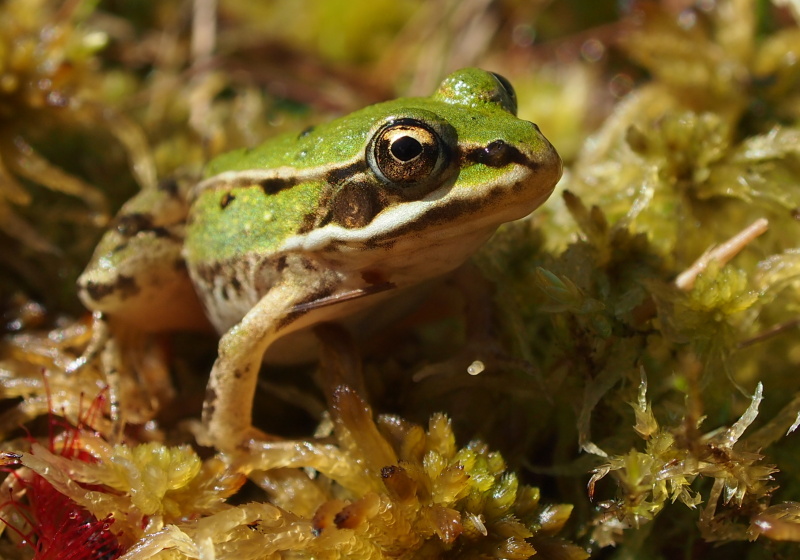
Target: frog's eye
[[510, 102], [406, 152]]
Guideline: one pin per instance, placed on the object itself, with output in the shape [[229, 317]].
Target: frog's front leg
[[227, 410]]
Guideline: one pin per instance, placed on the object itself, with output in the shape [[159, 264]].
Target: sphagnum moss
[[697, 153]]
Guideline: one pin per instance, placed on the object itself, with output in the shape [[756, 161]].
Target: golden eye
[[406, 152]]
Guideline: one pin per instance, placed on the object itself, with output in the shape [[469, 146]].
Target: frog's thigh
[[227, 410]]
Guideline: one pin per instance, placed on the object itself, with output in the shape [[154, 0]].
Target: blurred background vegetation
[[678, 125]]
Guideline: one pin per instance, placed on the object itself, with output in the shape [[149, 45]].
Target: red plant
[[57, 527]]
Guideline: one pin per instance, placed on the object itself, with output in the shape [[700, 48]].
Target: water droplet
[[476, 367]]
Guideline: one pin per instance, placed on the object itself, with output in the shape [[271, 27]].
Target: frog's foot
[[249, 439]]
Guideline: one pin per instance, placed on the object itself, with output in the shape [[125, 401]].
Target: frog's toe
[[253, 437], [249, 439]]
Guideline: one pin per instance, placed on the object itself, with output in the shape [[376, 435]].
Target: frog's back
[[391, 195], [137, 273]]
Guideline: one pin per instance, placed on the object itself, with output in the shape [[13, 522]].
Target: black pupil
[[406, 148]]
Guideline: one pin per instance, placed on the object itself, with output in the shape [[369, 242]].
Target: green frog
[[325, 225]]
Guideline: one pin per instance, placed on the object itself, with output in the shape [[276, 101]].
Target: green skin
[[322, 226], [477, 118]]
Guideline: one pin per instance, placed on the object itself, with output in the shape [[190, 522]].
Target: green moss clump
[[668, 253]]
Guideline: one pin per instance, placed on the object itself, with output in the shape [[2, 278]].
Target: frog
[[326, 225]]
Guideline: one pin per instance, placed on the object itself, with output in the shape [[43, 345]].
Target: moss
[[638, 332]]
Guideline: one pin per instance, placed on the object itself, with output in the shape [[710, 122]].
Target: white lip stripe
[[388, 220]]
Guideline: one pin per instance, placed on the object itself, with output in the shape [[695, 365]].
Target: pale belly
[[367, 286]]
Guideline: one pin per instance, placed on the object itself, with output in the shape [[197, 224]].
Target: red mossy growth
[[54, 525], [63, 530]]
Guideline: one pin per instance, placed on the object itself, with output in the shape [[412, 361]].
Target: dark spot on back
[[276, 185], [226, 199]]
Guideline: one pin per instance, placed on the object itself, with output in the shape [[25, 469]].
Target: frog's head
[[402, 190], [436, 176]]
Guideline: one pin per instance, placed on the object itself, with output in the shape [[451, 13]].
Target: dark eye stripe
[[496, 154]]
